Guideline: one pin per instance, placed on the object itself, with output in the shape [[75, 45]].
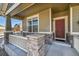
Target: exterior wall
[[75, 26], [75, 19], [63, 13], [44, 21]]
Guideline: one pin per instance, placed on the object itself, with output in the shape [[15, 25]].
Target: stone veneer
[[33, 44], [48, 36]]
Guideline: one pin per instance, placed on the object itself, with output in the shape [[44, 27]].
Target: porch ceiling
[[4, 7], [20, 8], [26, 9], [56, 7]]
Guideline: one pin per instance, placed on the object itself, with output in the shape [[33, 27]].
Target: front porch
[[42, 25]]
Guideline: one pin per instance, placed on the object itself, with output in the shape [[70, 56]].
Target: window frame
[[31, 18]]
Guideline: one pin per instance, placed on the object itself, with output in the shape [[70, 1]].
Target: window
[[29, 26], [33, 25]]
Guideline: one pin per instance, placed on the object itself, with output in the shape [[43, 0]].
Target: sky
[[13, 21]]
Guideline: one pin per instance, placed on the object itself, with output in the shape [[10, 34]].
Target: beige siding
[[75, 19], [44, 22], [60, 14]]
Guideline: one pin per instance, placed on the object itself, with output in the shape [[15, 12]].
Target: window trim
[[31, 19]]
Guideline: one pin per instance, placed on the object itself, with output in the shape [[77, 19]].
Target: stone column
[[8, 29], [24, 25]]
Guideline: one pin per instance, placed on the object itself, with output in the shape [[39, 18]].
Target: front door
[[60, 29]]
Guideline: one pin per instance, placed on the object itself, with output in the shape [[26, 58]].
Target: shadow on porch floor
[[2, 51]]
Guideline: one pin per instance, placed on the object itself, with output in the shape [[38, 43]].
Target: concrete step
[[62, 43]]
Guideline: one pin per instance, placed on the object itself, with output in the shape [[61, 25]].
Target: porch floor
[[61, 49], [2, 51]]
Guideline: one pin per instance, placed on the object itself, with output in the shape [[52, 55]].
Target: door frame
[[66, 26]]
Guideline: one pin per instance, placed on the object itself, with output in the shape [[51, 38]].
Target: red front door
[[60, 28]]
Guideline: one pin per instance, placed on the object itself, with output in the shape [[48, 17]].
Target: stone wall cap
[[19, 36], [35, 36]]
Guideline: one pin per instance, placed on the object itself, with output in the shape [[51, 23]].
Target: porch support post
[[50, 14], [8, 29], [24, 27]]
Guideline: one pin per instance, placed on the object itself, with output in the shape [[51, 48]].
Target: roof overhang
[[21, 10], [38, 7]]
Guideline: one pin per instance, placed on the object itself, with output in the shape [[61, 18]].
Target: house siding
[[44, 22], [59, 14], [75, 19]]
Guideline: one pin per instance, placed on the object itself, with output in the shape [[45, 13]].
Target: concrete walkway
[[61, 49]]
